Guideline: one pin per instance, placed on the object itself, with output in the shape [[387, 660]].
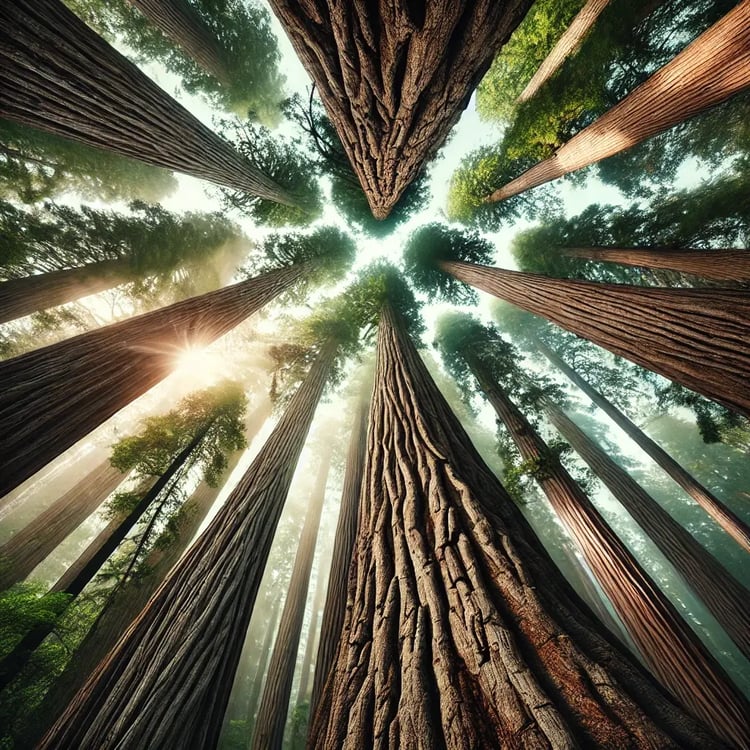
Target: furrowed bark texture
[[724, 596], [268, 733], [669, 647], [167, 682], [28, 547], [30, 294], [460, 633], [722, 265], [729, 521], [346, 533], [54, 396], [183, 26], [395, 76], [713, 68], [566, 44], [696, 337], [58, 75]]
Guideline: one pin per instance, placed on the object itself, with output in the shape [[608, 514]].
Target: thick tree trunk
[[722, 265], [715, 67], [566, 45], [268, 732], [460, 632], [167, 682], [696, 337], [395, 76], [183, 26], [54, 396], [263, 658], [58, 75], [346, 533], [28, 547], [729, 521], [30, 294], [722, 594]]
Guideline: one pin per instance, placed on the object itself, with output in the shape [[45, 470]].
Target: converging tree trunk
[[54, 396], [696, 337], [710, 70], [263, 658], [167, 682], [459, 630], [729, 521], [311, 646], [58, 75], [268, 732]]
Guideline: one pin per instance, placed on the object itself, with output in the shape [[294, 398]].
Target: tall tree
[[61, 77], [42, 414]]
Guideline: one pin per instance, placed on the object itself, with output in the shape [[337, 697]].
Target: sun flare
[[200, 365]]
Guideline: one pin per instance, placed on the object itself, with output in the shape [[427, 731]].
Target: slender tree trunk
[[715, 67], [696, 337], [54, 396], [58, 75], [723, 265], [263, 658], [167, 682], [460, 632], [268, 732], [346, 533], [729, 521], [28, 547], [566, 45], [311, 647], [722, 594], [183, 26]]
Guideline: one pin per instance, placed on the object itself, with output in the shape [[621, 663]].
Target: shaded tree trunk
[[696, 337], [460, 632], [268, 732], [566, 45], [346, 533], [167, 682], [394, 77], [58, 75], [710, 70], [722, 594], [54, 396], [28, 547], [729, 521], [723, 265], [313, 639]]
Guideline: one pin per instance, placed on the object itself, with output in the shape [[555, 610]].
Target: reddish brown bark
[[715, 67], [696, 337], [394, 76]]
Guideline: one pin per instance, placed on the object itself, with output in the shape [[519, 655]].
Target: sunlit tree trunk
[[459, 630], [722, 265], [715, 67], [54, 396], [729, 521], [28, 547], [268, 732], [696, 337], [168, 680], [58, 75]]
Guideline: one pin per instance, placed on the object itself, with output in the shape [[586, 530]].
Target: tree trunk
[[723, 265], [710, 70], [460, 632], [722, 594], [30, 294], [566, 45], [696, 337], [167, 682], [395, 76], [263, 659], [268, 732], [311, 647], [346, 533], [731, 523], [185, 28], [28, 547], [58, 75], [54, 396]]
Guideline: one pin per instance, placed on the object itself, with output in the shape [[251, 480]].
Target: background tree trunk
[[311, 647]]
